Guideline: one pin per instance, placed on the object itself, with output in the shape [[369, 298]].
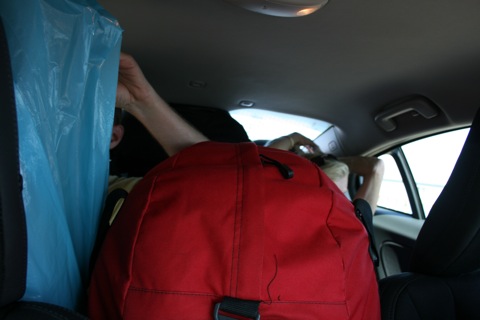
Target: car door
[[415, 174]]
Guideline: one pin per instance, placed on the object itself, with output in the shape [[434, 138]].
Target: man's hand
[[139, 98], [294, 141], [133, 90]]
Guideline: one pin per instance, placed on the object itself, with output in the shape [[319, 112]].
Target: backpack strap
[[363, 211]]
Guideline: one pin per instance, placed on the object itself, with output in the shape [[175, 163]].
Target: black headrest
[[139, 152], [449, 242], [13, 239]]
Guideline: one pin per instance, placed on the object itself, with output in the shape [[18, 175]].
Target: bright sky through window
[[267, 125]]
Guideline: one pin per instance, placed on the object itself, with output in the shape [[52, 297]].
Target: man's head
[[338, 172]]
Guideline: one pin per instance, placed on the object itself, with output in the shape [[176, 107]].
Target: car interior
[[383, 76]]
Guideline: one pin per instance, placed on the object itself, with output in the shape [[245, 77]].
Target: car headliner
[[342, 64]]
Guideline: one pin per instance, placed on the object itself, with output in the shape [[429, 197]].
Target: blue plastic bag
[[65, 67]]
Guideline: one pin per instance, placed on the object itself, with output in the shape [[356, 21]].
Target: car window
[[393, 194], [267, 125], [429, 162], [415, 173]]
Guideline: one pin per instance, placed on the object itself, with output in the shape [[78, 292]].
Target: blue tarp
[[65, 66]]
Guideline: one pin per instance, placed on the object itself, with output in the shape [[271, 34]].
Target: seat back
[[444, 277], [13, 241]]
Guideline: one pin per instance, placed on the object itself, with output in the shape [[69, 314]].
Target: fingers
[[298, 140], [133, 88], [300, 144], [127, 61]]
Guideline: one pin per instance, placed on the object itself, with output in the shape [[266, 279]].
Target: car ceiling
[[343, 64]]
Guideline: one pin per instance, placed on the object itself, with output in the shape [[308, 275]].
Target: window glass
[[431, 161], [393, 194], [267, 125]]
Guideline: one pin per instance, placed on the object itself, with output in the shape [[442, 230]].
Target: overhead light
[[305, 12], [246, 104], [281, 8]]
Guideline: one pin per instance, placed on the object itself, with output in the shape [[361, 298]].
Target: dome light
[[281, 8]]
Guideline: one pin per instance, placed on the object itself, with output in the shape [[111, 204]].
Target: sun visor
[[65, 66]]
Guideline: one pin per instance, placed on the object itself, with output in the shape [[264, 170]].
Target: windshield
[[267, 125]]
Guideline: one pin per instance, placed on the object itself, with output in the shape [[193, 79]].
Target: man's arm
[[137, 96], [293, 141], [372, 169]]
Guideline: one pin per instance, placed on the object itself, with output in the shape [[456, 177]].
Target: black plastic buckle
[[236, 307]]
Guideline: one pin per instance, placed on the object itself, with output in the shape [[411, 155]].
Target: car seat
[[444, 277], [13, 237]]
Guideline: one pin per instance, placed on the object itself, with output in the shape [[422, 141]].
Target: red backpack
[[235, 231]]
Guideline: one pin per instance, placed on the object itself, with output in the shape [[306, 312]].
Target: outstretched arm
[[372, 169], [137, 96], [293, 141]]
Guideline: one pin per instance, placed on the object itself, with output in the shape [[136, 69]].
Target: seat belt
[[363, 211]]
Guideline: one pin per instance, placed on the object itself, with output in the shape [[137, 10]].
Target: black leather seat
[[444, 277], [13, 234]]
